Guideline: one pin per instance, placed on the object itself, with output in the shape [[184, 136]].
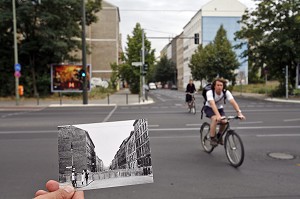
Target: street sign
[[18, 67], [17, 74], [136, 63]]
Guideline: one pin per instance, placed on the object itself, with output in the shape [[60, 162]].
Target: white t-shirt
[[219, 103]]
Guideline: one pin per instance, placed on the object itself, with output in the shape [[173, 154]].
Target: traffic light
[[196, 38], [146, 66], [82, 74]]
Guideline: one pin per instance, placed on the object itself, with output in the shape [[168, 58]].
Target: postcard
[[101, 155]]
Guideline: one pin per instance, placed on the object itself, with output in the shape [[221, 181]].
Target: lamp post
[[15, 50]]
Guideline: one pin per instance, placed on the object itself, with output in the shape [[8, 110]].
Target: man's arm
[[237, 108]]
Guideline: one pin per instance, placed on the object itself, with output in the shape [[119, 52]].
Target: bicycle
[[233, 144], [192, 104]]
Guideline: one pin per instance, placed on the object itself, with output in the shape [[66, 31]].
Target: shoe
[[221, 142], [213, 142]]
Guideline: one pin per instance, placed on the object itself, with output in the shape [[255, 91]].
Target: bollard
[[37, 99], [60, 98], [139, 98], [126, 98], [107, 98]]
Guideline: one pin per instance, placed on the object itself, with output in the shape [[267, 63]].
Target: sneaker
[[213, 142]]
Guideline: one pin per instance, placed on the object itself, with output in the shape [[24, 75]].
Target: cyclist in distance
[[190, 88], [214, 108]]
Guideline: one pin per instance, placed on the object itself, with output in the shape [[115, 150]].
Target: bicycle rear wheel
[[205, 138], [234, 148], [194, 108]]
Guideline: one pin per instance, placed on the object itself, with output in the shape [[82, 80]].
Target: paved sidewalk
[[122, 97], [264, 97]]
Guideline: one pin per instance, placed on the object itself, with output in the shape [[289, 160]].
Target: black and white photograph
[[101, 155]]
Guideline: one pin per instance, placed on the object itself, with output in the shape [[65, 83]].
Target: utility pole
[[15, 50], [84, 89]]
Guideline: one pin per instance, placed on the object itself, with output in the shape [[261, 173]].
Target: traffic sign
[[17, 74], [136, 63], [17, 67]]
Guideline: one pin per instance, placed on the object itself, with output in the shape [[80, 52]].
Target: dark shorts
[[209, 112]]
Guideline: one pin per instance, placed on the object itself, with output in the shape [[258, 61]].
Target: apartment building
[[206, 23], [104, 41]]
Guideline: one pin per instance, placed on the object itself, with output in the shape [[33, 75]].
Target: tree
[[272, 32], [47, 33], [165, 70], [129, 73], [215, 59]]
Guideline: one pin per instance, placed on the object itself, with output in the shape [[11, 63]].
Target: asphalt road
[[28, 150]]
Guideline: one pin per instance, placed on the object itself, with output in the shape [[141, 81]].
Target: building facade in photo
[[75, 150]]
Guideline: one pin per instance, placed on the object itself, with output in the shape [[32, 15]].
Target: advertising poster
[[69, 78]]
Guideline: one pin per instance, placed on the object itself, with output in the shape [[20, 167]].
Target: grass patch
[[262, 88]]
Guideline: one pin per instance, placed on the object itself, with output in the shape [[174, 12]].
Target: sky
[[163, 18], [107, 137]]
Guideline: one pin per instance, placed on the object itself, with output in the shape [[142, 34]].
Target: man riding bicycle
[[190, 88], [214, 107]]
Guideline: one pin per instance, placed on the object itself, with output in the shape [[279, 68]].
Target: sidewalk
[[264, 97], [122, 97]]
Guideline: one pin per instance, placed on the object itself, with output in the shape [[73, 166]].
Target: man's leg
[[213, 124]]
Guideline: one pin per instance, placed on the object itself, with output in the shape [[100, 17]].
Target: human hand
[[56, 192], [241, 116]]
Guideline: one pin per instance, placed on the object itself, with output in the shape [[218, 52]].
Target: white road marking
[[292, 120]]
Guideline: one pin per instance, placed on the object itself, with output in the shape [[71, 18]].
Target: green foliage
[[165, 70], [215, 59], [272, 32], [129, 73], [47, 33]]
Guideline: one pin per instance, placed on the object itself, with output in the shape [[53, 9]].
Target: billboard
[[67, 77]]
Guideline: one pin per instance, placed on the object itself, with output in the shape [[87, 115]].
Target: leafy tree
[[215, 59], [47, 33], [129, 73], [165, 70], [272, 32]]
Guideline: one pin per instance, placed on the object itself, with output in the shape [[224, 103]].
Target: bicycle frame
[[227, 125]]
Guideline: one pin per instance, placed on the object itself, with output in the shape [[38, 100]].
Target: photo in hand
[[101, 155]]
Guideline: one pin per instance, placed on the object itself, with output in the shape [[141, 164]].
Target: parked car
[[152, 86], [174, 87]]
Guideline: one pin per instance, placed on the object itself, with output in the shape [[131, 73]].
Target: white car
[[152, 86]]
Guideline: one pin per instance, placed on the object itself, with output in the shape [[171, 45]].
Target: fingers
[[52, 185], [78, 195], [66, 192], [40, 192]]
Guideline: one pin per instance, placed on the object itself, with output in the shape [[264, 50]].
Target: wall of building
[[74, 144]]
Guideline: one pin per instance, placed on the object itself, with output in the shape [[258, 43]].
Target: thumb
[[66, 192]]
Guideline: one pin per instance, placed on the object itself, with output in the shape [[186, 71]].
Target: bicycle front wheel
[[234, 148], [205, 137]]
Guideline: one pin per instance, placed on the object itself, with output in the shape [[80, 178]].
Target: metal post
[[15, 50], [126, 98], [84, 90], [143, 63], [297, 85], [286, 82]]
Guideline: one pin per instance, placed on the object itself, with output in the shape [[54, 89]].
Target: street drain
[[281, 156]]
